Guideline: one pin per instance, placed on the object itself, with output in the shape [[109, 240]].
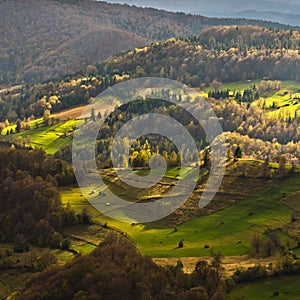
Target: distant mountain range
[[291, 19], [282, 11]]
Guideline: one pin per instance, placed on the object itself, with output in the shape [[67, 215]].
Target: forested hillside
[[116, 270], [43, 39], [228, 54], [31, 210]]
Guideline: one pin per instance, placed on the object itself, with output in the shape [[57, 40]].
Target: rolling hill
[[291, 18], [257, 200], [42, 39], [225, 53]]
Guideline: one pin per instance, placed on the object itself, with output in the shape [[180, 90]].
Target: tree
[[216, 85], [46, 259], [265, 168], [69, 215], [56, 240], [173, 159], [46, 117], [162, 72], [206, 157], [229, 154], [180, 244], [21, 244], [84, 217], [66, 243], [81, 295], [293, 169], [18, 126], [282, 162], [256, 243], [93, 116], [238, 153], [269, 248]]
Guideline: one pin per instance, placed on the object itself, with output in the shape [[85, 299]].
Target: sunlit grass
[[50, 138], [228, 231], [85, 248]]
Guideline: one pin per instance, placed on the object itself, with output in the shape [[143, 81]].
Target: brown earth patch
[[75, 113], [241, 180]]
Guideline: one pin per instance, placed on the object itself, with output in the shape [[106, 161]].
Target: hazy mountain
[[291, 19], [230, 8]]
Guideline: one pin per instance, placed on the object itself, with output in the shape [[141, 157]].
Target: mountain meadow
[[56, 58]]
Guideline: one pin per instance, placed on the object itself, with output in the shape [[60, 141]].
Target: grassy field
[[238, 86], [50, 138], [286, 100], [12, 281], [85, 248], [242, 85], [174, 172], [228, 231], [288, 288]]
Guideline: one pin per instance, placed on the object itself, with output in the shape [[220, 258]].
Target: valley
[[56, 242]]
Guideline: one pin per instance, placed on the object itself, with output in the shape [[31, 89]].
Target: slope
[[42, 39]]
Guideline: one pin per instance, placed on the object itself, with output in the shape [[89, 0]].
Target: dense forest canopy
[[29, 199], [43, 39], [228, 54]]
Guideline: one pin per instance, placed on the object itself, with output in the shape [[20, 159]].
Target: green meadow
[[50, 138], [238, 86], [85, 248], [228, 231], [176, 172], [288, 288], [286, 100]]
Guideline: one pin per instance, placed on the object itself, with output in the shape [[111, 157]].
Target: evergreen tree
[[93, 116], [238, 153], [18, 126]]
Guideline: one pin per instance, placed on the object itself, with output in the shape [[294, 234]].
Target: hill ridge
[[45, 39]]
